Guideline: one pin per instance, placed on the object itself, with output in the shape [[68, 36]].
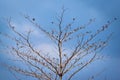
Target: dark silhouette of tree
[[81, 42]]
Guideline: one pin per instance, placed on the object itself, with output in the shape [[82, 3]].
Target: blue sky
[[45, 10]]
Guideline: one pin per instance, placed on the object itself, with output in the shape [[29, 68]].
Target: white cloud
[[49, 48], [26, 27]]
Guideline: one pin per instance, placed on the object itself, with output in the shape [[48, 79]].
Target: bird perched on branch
[[33, 19], [52, 22], [73, 19]]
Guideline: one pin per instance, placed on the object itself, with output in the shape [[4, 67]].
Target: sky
[[45, 11]]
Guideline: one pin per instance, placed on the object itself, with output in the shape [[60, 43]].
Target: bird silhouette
[[73, 19], [33, 19], [52, 22]]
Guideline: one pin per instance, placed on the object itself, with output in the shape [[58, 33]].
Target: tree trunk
[[60, 77]]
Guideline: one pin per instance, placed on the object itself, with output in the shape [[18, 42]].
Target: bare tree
[[84, 45]]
